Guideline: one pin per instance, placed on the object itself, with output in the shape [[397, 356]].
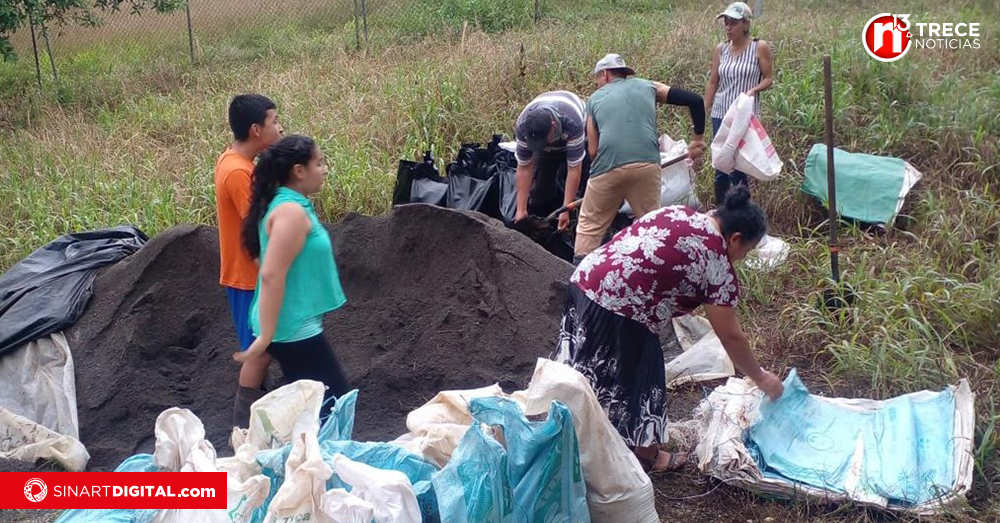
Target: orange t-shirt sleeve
[[237, 186]]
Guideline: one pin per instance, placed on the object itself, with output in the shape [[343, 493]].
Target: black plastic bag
[[482, 179], [49, 290], [473, 160], [476, 183], [467, 193], [419, 182], [506, 180]]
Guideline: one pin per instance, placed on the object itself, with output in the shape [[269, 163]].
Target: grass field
[[132, 133]]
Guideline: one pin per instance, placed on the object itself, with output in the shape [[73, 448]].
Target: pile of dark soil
[[437, 300]]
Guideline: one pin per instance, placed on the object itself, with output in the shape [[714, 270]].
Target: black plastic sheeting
[[419, 182], [49, 290], [482, 179]]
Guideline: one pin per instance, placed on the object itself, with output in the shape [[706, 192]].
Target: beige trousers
[[638, 183]]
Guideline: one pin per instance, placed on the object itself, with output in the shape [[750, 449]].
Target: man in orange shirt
[[254, 121]]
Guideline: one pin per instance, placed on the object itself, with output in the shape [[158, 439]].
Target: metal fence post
[[364, 18], [48, 49], [357, 28], [187, 7], [34, 46]]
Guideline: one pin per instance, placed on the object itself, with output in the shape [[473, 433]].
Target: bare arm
[[713, 79], [593, 138], [524, 175], [573, 174], [576, 152], [287, 228], [737, 345], [662, 90], [766, 59]]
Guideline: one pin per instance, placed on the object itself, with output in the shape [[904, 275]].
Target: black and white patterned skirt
[[623, 360]]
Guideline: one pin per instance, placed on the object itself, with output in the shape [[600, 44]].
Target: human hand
[[520, 215], [254, 351], [564, 221], [696, 149], [770, 384]]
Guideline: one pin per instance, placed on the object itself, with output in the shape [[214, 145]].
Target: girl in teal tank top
[[298, 281]]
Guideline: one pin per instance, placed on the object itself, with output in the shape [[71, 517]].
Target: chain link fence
[[363, 23]]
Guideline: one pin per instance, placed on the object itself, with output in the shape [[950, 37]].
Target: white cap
[[737, 11], [612, 61]]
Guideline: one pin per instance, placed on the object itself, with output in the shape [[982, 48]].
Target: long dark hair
[[274, 167], [739, 214]]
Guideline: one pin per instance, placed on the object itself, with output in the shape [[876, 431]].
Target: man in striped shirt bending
[[550, 135]]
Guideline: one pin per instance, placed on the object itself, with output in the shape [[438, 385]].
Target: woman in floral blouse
[[623, 294]]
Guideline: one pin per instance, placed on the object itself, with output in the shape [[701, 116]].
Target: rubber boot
[[245, 397]]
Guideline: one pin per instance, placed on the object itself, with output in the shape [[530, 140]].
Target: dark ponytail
[[739, 214], [274, 166]]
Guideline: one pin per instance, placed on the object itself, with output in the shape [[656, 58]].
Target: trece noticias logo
[[888, 37]]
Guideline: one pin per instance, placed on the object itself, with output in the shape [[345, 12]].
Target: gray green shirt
[[624, 112], [312, 285]]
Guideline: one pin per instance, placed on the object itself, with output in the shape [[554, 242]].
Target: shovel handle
[[568, 207], [672, 161], [576, 203]]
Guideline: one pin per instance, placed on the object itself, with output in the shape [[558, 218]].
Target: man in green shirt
[[622, 139]]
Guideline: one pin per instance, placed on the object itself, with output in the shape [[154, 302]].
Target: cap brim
[[733, 15], [628, 70]]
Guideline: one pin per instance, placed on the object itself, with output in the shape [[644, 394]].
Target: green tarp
[[869, 188]]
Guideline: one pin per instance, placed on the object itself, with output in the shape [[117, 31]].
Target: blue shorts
[[239, 305]]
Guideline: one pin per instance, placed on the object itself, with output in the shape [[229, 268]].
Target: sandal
[[676, 461], [646, 458]]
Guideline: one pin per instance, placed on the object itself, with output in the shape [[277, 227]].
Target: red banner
[[113, 490]]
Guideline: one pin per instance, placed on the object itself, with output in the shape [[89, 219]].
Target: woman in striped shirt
[[739, 65]]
